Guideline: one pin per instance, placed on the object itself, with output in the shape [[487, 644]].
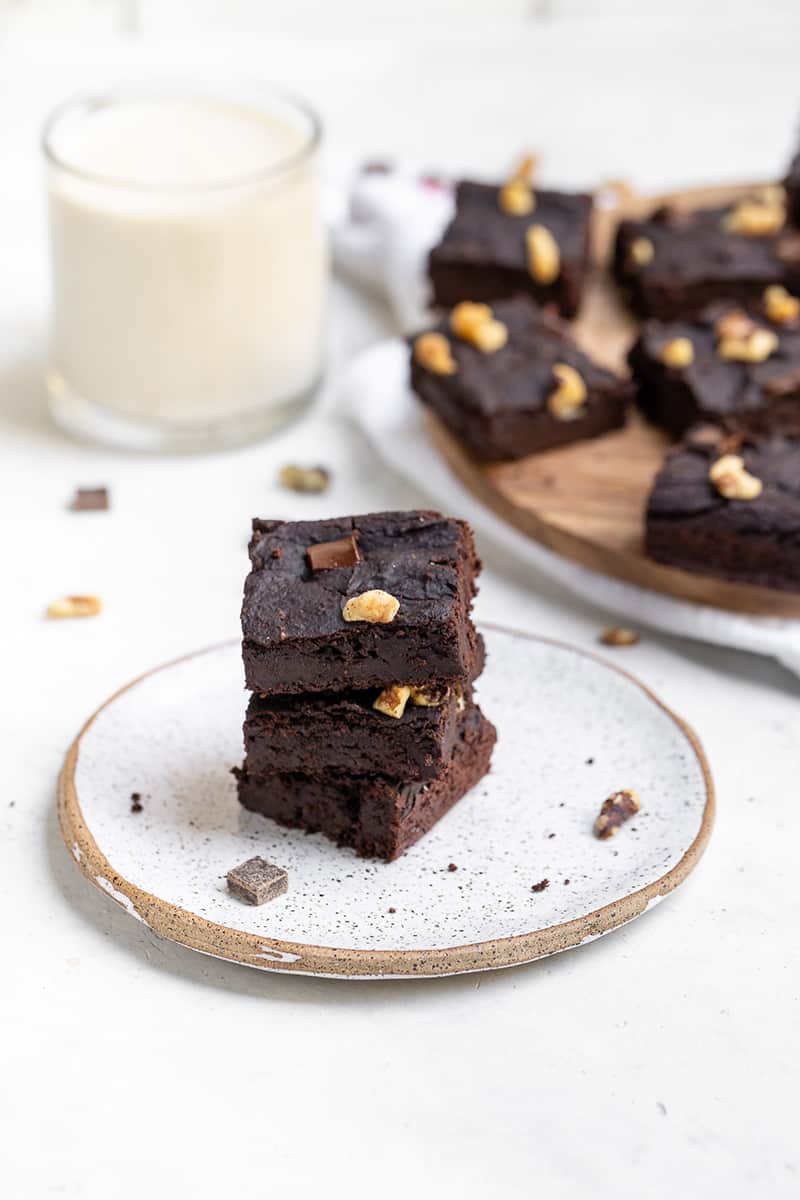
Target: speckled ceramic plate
[[572, 728]]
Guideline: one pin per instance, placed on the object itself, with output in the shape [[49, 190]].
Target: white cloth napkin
[[382, 243]]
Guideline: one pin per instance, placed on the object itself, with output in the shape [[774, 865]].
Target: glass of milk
[[189, 266]]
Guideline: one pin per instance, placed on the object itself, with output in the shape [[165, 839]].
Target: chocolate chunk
[[257, 881], [343, 552], [90, 500]]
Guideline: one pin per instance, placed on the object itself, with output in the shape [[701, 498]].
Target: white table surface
[[659, 1061]]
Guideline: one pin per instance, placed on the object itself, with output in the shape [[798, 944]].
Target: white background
[[661, 1060]]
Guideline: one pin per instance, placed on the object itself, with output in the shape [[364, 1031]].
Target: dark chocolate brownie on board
[[675, 263], [401, 732], [729, 507], [359, 602], [377, 816], [739, 367], [510, 381], [509, 239]]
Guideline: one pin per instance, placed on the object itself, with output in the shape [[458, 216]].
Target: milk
[[189, 261]]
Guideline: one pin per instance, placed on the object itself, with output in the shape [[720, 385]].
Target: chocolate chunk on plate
[[257, 881], [90, 500]]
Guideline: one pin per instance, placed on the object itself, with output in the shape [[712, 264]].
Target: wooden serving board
[[587, 501]]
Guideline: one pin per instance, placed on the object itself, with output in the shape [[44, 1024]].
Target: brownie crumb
[[590, 762], [277, 552], [551, 835], [257, 881], [452, 867], [566, 883], [541, 885], [90, 500], [136, 802], [392, 910]]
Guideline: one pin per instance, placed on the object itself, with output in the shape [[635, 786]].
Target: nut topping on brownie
[[544, 256], [759, 216], [476, 324], [393, 700], [732, 481], [780, 306], [516, 195], [742, 340], [567, 400], [375, 606], [432, 351], [678, 352], [431, 696], [640, 252]]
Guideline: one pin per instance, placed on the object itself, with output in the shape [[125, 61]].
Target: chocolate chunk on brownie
[[492, 249], [377, 816], [357, 733], [509, 380], [736, 366], [676, 263], [398, 614], [729, 507]]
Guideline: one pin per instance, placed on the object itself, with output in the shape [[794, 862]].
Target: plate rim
[[274, 954]]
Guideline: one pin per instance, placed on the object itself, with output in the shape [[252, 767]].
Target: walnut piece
[[677, 353], [475, 323], [304, 479], [432, 351], [732, 481], [741, 340], [640, 252], [567, 400], [619, 636], [780, 306], [544, 256], [461, 703], [757, 217], [615, 811], [74, 606], [375, 606], [516, 198], [393, 700], [431, 695]]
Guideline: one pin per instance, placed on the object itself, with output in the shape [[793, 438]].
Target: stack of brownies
[[361, 655]]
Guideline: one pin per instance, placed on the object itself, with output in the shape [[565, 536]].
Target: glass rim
[[91, 101]]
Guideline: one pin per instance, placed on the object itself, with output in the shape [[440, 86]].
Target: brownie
[[691, 525], [483, 253], [758, 396], [295, 636], [792, 185], [316, 734], [501, 405], [377, 816], [675, 263]]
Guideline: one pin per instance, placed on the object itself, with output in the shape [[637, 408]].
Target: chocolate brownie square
[[378, 817], [359, 602], [733, 366], [536, 390], [729, 507], [346, 732], [676, 263], [487, 253]]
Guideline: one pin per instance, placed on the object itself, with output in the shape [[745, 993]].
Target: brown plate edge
[[175, 923]]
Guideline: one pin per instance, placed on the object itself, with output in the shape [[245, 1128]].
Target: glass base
[[91, 422]]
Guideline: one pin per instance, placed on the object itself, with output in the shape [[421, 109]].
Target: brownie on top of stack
[[361, 655]]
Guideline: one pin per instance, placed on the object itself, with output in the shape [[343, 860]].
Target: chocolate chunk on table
[[691, 524], [257, 881], [747, 378], [377, 816], [486, 253], [90, 500], [674, 264], [535, 392], [296, 637]]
